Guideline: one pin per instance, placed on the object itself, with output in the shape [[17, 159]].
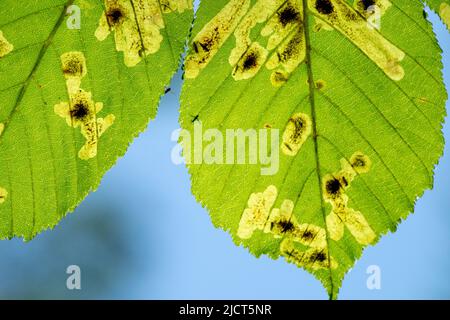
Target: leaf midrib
[[311, 86]]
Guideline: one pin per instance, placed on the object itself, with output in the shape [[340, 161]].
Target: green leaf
[[358, 104], [71, 100]]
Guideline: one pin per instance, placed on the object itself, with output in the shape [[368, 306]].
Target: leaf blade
[[354, 115], [52, 151]]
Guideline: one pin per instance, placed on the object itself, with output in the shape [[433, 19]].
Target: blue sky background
[[142, 235]]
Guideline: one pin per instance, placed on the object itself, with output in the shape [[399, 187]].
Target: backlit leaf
[[78, 81], [355, 89]]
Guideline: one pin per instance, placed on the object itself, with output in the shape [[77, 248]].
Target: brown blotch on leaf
[[286, 226], [80, 110], [360, 162], [333, 187], [324, 7], [299, 124], [320, 84], [319, 256], [308, 235], [366, 4], [292, 48], [73, 67], [115, 16], [251, 61], [296, 133], [288, 15], [206, 44]]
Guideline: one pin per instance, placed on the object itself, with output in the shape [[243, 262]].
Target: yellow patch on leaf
[[297, 131], [255, 215], [137, 25], [282, 224], [334, 192], [345, 19], [444, 13], [81, 111], [3, 195], [5, 46], [210, 39]]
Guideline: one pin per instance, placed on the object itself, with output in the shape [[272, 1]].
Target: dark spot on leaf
[[288, 146], [115, 16], [344, 181], [251, 61], [318, 256], [359, 162], [351, 16], [299, 126], [292, 47], [324, 6], [285, 226], [288, 15], [79, 111], [195, 46], [333, 187], [367, 3], [308, 235], [290, 253], [73, 67], [207, 43]]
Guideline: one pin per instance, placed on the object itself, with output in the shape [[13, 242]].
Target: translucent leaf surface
[[78, 80], [355, 89]]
